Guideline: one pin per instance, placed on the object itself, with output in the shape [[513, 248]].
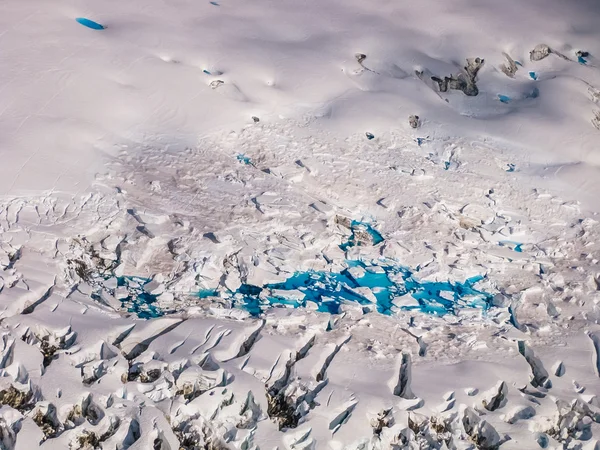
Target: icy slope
[[218, 228], [70, 93]]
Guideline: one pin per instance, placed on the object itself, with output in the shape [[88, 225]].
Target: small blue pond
[[139, 302], [386, 280], [244, 159], [90, 23], [515, 246], [375, 284], [503, 98], [533, 75]]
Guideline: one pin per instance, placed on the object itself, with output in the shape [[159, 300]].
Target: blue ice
[[329, 290], [533, 75], [503, 98], [90, 23], [516, 246], [205, 293], [535, 93], [244, 159], [139, 302], [386, 280]]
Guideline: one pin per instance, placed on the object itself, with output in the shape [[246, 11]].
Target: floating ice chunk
[[406, 301], [156, 286], [111, 283], [292, 295], [121, 293], [366, 293], [90, 23], [357, 272]]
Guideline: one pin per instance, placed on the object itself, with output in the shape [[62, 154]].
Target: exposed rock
[[510, 68], [87, 440], [360, 57], [46, 418], [16, 398], [573, 421], [540, 52], [86, 409], [414, 121], [463, 81], [384, 419], [596, 119]]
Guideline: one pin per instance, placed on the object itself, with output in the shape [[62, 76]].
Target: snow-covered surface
[[219, 227]]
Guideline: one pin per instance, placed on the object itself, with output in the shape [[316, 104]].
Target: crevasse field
[[294, 225]]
